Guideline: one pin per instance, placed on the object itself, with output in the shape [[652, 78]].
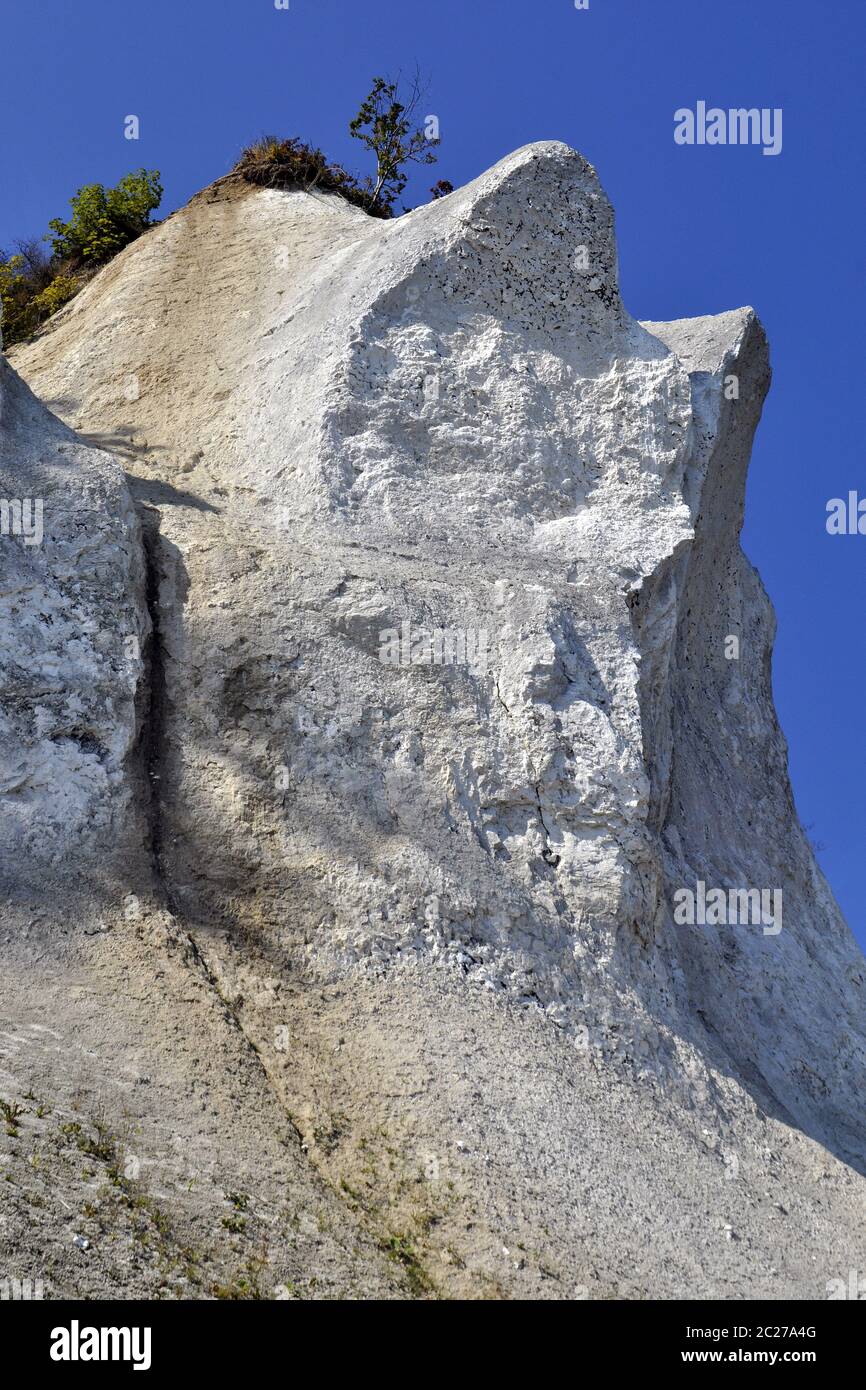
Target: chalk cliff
[[383, 709]]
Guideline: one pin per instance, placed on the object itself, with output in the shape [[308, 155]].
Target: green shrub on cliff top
[[34, 284], [104, 220]]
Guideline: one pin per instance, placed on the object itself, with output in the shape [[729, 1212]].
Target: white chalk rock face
[[446, 722], [73, 626]]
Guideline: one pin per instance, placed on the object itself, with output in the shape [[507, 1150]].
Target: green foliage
[[24, 277], [13, 301], [235, 1223], [11, 1113], [384, 125], [54, 296], [34, 284], [105, 220]]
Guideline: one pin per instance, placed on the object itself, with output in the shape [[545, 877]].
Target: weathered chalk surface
[[435, 901]]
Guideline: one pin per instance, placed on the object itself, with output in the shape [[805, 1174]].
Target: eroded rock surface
[[437, 899], [73, 624]]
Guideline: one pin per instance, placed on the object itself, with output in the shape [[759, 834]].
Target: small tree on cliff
[[385, 125]]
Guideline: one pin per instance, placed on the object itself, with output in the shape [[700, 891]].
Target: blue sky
[[701, 229]]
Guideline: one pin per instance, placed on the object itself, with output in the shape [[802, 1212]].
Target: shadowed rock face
[[73, 624], [437, 713]]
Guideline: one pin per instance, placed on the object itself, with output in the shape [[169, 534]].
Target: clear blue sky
[[700, 229]]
